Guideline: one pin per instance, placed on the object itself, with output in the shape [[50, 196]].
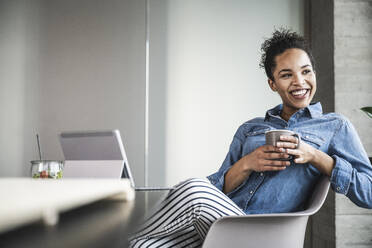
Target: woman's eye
[[287, 75], [306, 71]]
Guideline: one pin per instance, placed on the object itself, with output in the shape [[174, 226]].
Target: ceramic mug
[[273, 136]]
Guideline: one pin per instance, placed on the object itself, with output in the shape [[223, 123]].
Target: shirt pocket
[[312, 139], [254, 139]]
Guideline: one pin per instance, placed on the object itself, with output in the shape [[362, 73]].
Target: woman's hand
[[261, 159], [303, 154], [265, 158]]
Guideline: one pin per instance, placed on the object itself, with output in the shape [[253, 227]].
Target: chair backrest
[[318, 196]]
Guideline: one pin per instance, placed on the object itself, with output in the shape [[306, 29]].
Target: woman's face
[[294, 80]]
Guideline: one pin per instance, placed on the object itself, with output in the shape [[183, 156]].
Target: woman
[[253, 179]]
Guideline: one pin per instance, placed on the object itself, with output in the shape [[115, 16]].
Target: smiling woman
[[256, 178]]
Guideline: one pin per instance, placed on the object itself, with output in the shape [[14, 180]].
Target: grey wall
[[322, 225], [353, 90], [322, 42], [19, 83], [70, 65], [341, 32]]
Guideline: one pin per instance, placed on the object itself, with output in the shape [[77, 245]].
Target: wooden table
[[104, 223]]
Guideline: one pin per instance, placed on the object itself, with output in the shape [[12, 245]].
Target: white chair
[[283, 230]]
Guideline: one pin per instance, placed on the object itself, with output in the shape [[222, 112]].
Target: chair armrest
[[267, 230]]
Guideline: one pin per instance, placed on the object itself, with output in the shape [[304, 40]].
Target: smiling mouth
[[300, 94]]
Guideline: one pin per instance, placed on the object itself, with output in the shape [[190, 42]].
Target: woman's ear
[[272, 84]]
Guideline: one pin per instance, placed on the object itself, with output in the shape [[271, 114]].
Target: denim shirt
[[288, 190]]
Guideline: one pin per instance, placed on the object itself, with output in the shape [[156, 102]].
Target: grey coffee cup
[[273, 136]]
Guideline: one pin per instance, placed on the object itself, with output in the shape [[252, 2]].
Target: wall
[[81, 65], [341, 33], [322, 225], [70, 65], [19, 84], [205, 80], [353, 90]]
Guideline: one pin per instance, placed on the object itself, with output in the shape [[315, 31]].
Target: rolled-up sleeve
[[234, 154], [352, 174]]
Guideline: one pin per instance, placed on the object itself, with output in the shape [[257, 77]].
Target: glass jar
[[46, 169]]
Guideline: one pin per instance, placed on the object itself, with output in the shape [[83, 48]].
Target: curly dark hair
[[281, 40]]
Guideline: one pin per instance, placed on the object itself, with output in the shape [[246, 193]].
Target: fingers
[[299, 160], [288, 142], [272, 165], [270, 149], [295, 152], [298, 154], [273, 168], [276, 155], [275, 163], [286, 145], [289, 138], [271, 158]]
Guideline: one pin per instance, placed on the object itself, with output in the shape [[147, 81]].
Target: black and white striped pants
[[185, 216]]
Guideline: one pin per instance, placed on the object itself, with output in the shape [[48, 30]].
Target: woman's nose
[[298, 79]]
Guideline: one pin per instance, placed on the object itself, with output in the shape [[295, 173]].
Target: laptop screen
[[95, 146]]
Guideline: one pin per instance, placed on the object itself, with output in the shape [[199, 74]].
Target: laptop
[[97, 154]]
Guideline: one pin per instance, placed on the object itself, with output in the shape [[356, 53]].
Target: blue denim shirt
[[288, 190]]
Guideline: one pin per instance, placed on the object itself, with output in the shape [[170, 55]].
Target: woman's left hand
[[303, 154]]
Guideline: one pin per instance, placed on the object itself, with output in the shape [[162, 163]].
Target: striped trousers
[[185, 216]]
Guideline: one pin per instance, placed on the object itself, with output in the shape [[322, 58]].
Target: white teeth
[[298, 92]]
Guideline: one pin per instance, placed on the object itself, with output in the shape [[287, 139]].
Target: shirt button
[[251, 192], [338, 189], [261, 174]]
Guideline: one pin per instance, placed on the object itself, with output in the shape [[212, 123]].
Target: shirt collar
[[314, 110]]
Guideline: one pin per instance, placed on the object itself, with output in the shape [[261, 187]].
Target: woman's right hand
[[261, 159], [265, 158]]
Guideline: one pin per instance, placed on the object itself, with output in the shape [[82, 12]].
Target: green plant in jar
[[368, 111], [52, 169]]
